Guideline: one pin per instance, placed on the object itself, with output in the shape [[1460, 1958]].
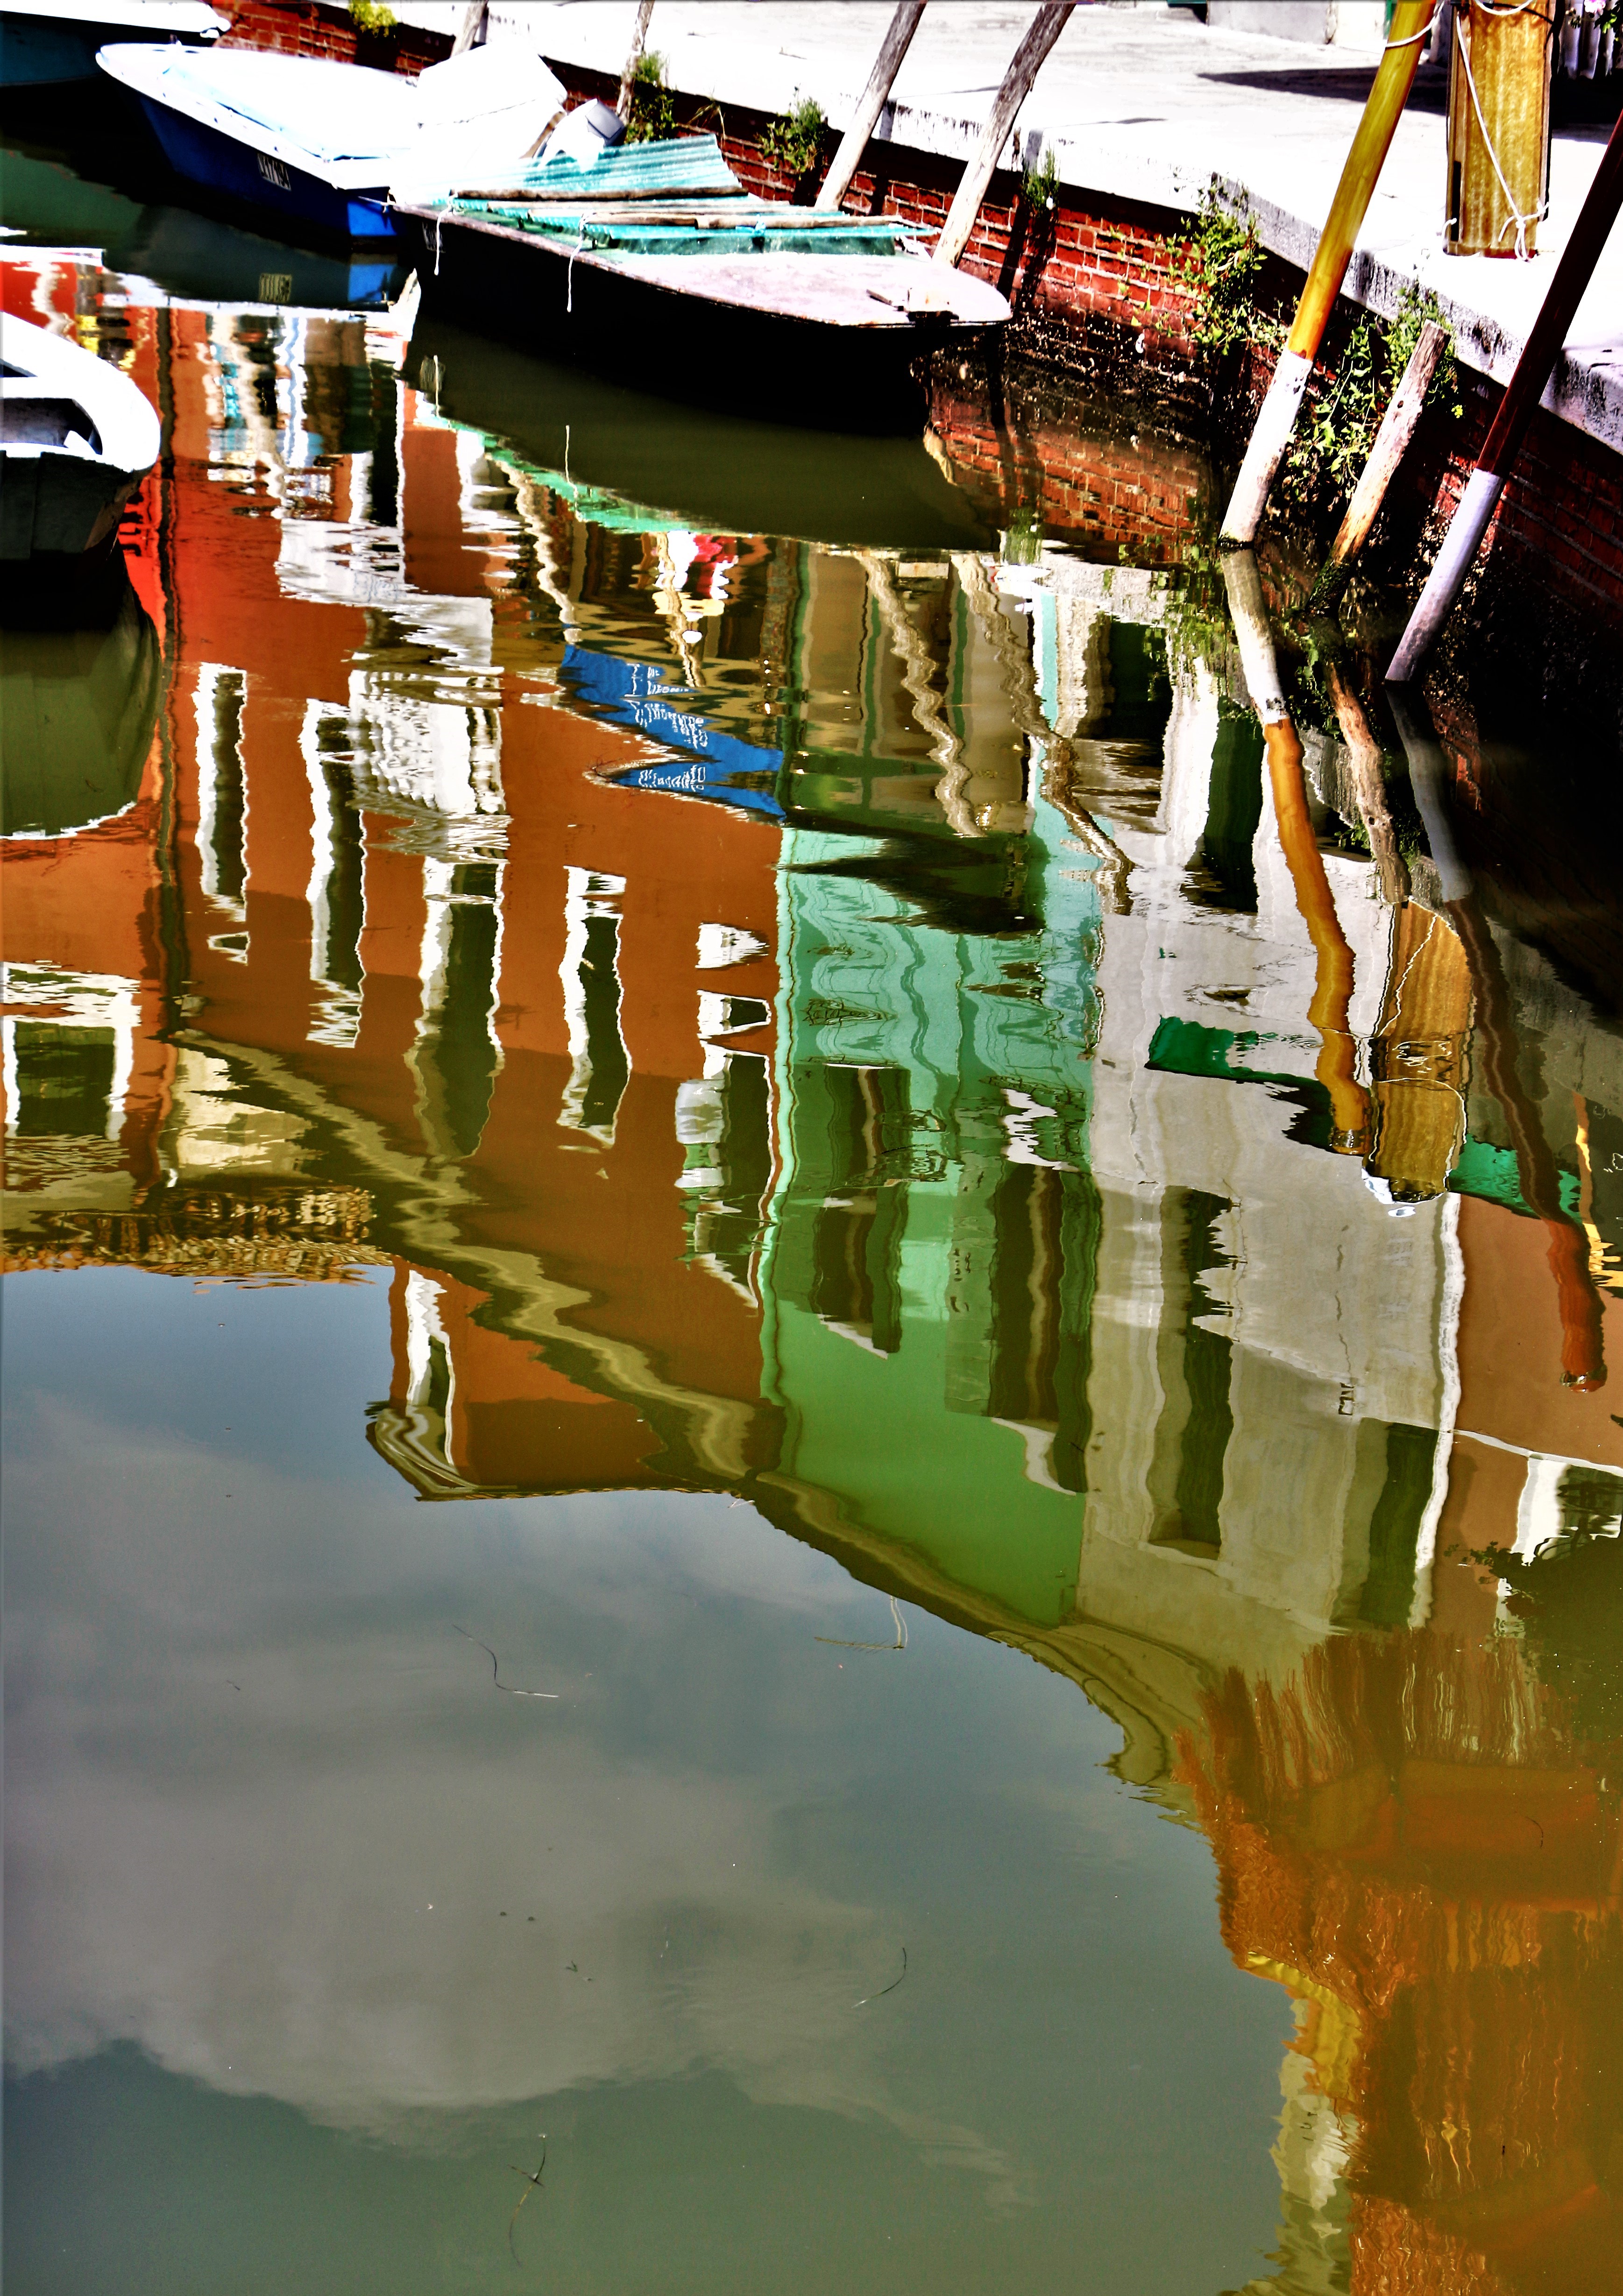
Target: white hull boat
[[53, 42], [77, 437]]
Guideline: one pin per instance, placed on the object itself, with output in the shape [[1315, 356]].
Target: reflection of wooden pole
[[896, 41], [1522, 394], [1583, 1364], [1333, 988], [634, 57], [1369, 784], [1403, 412], [1059, 756], [1044, 29], [1393, 80]]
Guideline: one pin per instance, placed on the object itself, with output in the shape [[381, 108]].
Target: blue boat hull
[[218, 163]]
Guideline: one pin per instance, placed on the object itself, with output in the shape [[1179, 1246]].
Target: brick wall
[[314, 28]]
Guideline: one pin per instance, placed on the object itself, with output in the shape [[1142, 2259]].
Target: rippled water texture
[[810, 1480]]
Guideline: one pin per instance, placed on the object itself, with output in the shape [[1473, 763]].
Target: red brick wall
[[314, 28]]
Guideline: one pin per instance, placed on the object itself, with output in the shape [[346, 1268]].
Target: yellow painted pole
[[1394, 77]]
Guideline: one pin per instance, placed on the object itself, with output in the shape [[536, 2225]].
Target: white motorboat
[[318, 143], [77, 437]]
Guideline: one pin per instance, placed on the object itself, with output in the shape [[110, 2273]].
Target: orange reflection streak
[[1413, 1840], [1582, 1362], [1333, 990]]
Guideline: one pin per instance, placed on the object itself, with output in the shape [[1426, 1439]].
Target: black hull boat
[[654, 264]]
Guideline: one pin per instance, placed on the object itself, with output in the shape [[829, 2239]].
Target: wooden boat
[[316, 144], [77, 437], [653, 258], [50, 43]]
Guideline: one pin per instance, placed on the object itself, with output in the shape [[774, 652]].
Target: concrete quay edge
[[1586, 390]]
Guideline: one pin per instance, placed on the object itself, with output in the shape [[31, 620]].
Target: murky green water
[[808, 1478]]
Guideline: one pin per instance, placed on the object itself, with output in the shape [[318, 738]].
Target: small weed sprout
[[1038, 185], [653, 108], [795, 143]]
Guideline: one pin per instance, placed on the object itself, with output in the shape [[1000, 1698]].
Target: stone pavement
[[1144, 102]]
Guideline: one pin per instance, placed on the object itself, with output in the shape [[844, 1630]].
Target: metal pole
[[1410, 24], [1522, 394], [1048, 25], [895, 45]]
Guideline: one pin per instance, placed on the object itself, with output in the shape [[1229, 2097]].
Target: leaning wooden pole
[[1044, 29], [881, 79], [1522, 394], [634, 57], [1394, 77], [1398, 425]]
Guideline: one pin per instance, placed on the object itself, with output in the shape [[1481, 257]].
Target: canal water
[[809, 1478]]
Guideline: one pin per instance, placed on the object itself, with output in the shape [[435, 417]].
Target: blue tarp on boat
[[706, 763]]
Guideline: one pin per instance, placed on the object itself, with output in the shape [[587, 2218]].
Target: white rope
[[1413, 39], [1515, 216], [439, 224], [579, 248]]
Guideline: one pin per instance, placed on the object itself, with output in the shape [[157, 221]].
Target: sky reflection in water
[[614, 1052]]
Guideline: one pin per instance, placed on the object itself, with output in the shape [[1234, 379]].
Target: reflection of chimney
[[1417, 1054]]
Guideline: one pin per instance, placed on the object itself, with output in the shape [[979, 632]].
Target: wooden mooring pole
[[1522, 394], [1403, 412], [1411, 26], [881, 79], [1044, 30], [634, 57]]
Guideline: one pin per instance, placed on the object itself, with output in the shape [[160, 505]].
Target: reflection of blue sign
[[707, 764]]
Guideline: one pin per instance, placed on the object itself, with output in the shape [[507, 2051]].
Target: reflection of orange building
[[1413, 1840], [458, 940]]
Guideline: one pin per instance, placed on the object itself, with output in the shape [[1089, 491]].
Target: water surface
[[809, 1475]]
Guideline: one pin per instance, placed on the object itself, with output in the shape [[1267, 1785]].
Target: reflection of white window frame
[[589, 893], [439, 898], [100, 1001], [210, 676], [424, 1332], [720, 946], [337, 1015]]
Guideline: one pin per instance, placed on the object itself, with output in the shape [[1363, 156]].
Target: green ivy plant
[[795, 143], [1220, 269], [1338, 425], [373, 16], [653, 108]]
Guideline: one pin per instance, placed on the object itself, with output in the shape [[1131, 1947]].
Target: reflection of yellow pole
[[1411, 21], [1333, 990]]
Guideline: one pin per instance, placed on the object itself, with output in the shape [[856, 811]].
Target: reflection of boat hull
[[199, 259], [76, 712], [219, 165], [817, 364], [712, 472], [78, 438]]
